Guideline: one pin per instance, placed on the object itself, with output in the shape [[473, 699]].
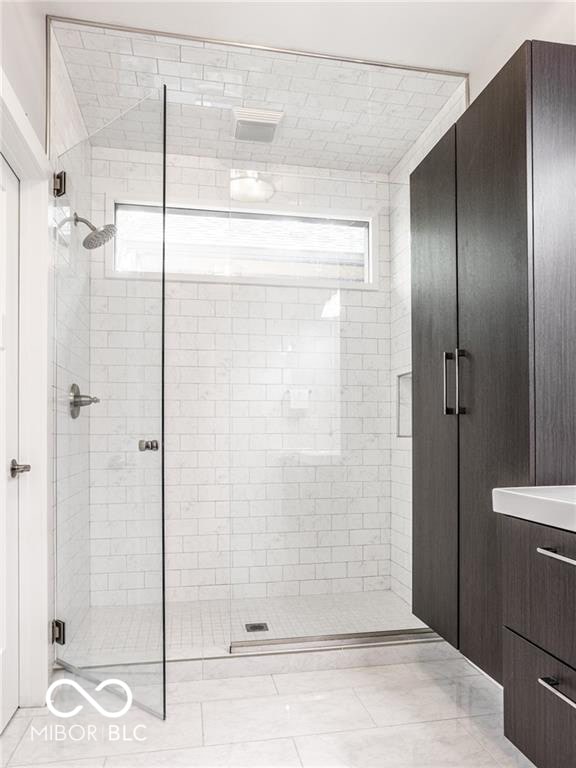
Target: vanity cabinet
[[539, 589], [539, 585], [538, 694], [493, 329]]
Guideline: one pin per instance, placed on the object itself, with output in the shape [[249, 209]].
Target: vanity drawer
[[539, 704], [539, 585]]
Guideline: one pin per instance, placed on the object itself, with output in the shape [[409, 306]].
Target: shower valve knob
[[78, 400]]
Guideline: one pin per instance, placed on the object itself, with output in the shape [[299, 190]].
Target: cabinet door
[[435, 434], [539, 584], [539, 704], [493, 321], [554, 141]]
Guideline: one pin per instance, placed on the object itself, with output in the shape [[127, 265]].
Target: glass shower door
[[108, 394]]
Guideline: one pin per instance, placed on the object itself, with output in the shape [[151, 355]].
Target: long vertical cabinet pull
[[446, 410], [458, 353]]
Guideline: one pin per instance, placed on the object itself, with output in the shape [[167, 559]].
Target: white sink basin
[[553, 505]]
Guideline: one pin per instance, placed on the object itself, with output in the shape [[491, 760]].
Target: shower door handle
[[148, 445], [445, 357]]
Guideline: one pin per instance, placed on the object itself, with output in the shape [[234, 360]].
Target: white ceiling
[[338, 115], [473, 37]]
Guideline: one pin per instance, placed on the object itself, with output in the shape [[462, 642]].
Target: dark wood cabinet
[[434, 320], [493, 327], [540, 589], [511, 238], [554, 192], [536, 717]]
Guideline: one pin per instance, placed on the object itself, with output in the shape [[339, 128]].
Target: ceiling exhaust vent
[[255, 124]]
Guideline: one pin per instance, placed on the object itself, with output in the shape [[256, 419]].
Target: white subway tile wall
[[284, 475], [278, 412]]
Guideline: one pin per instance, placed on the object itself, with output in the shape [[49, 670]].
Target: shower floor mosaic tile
[[116, 635]]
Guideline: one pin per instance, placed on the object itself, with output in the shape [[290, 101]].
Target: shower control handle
[[77, 400], [83, 400], [148, 445]]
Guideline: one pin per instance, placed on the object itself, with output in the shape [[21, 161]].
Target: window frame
[[371, 272]]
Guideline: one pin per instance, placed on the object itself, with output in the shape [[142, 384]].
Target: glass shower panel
[[109, 441], [199, 356]]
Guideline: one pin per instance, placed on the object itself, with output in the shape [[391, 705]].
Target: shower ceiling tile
[[337, 115]]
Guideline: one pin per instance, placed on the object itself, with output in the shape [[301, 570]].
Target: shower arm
[[80, 220], [77, 220]]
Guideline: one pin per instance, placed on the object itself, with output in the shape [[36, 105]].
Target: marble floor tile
[[488, 730], [277, 753], [183, 728], [225, 688], [282, 716], [416, 701], [340, 658], [90, 762], [11, 736], [444, 744], [355, 677]]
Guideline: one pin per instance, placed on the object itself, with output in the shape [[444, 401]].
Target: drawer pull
[[550, 552], [551, 684]]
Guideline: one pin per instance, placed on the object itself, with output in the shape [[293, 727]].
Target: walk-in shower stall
[[232, 355]]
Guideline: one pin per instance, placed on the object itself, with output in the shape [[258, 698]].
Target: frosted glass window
[[233, 244]]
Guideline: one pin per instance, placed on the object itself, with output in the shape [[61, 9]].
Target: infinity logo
[[84, 694]]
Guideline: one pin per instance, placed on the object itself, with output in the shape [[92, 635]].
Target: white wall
[[23, 57], [555, 22]]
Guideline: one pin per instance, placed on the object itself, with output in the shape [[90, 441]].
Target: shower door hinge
[[59, 631], [59, 184]]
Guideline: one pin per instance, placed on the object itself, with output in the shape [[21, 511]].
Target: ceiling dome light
[[250, 187]]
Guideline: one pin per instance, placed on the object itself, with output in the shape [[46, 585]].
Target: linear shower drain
[[257, 627]]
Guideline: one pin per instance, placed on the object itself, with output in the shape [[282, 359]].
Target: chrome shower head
[[97, 236]]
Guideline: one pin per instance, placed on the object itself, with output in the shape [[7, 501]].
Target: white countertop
[[553, 505]]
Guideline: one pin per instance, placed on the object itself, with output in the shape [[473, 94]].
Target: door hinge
[[59, 184], [59, 631]]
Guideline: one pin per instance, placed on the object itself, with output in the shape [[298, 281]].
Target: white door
[[9, 262]]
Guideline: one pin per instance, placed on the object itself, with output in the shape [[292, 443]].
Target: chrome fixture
[[98, 236], [148, 445], [551, 684], [553, 553], [257, 626], [59, 184], [78, 401], [18, 469]]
